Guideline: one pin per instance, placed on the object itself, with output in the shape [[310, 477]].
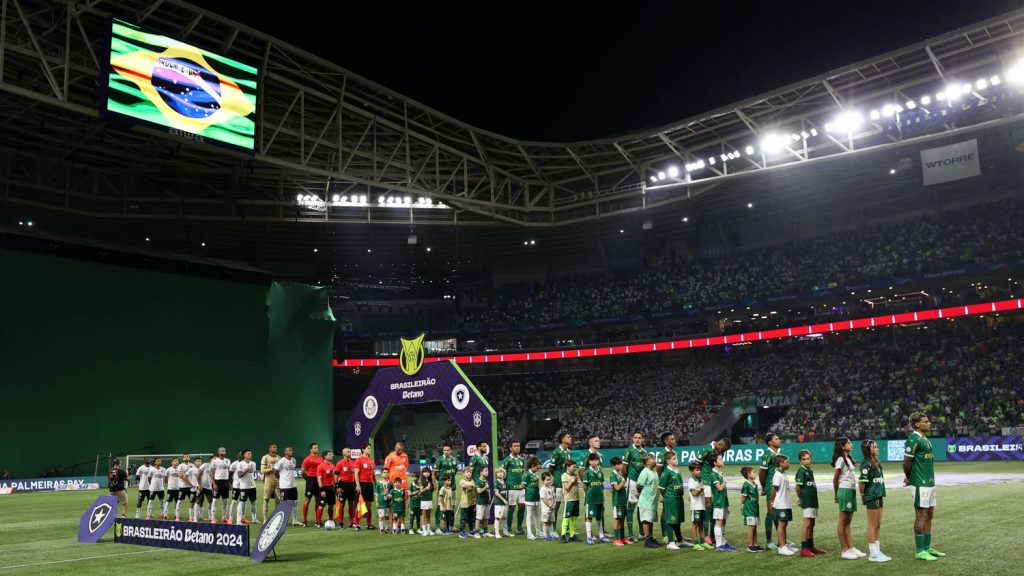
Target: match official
[[117, 479]]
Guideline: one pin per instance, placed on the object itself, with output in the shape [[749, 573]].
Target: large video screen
[[187, 91]]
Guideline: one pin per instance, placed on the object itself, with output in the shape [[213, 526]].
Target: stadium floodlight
[[336, 198], [700, 163], [874, 114], [849, 121], [661, 175], [814, 131], [380, 199], [525, 243], [828, 126], [940, 96], [926, 100], [750, 204], [898, 109], [981, 84], [965, 89], [892, 171], [952, 92], [686, 218], [995, 81], [772, 143], [298, 197], [805, 135], [795, 137], [724, 157], [673, 172], [711, 160], [654, 179], [315, 250], [749, 150], [911, 104], [533, 242], [888, 110], [362, 199], [408, 200]]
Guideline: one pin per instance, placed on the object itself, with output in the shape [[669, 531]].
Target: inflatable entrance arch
[[441, 381]]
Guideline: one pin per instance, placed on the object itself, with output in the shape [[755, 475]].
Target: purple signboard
[[97, 519], [272, 530], [972, 448], [442, 382], [194, 536]]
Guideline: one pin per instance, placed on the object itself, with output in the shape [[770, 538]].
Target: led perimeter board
[[159, 82]]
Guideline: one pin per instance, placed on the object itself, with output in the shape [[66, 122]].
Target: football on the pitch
[[329, 525]]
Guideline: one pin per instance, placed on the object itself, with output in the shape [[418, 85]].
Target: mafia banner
[[97, 519], [272, 531], [194, 536], [949, 163], [972, 448]]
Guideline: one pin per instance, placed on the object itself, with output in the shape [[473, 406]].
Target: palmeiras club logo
[[99, 514], [460, 396], [411, 359], [270, 532], [478, 419], [370, 407]]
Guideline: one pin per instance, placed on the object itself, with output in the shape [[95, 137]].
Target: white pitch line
[[87, 558]]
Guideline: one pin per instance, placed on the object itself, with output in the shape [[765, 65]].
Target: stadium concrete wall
[[98, 359]]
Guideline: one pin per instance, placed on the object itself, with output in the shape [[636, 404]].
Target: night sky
[[565, 71]]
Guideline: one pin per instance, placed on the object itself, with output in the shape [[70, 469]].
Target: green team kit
[[749, 493], [594, 499], [874, 484], [672, 488], [808, 489]]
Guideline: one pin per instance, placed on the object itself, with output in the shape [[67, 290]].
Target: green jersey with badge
[[719, 498], [500, 489], [660, 456], [397, 497], [808, 489], [446, 468], [514, 467], [618, 496], [414, 497], [483, 494], [634, 459], [873, 480], [750, 506], [706, 457], [532, 486], [768, 464], [594, 479], [922, 469], [672, 484], [477, 463], [381, 489], [558, 459]]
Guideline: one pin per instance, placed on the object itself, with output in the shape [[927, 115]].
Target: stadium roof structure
[[325, 132]]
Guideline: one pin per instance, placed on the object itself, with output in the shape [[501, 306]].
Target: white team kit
[[143, 473]]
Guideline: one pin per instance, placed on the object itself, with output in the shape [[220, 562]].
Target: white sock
[[600, 528], [529, 523], [163, 507], [177, 506], [873, 548], [590, 535], [138, 512], [720, 537], [149, 508]]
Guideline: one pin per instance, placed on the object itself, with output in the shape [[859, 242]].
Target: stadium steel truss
[[324, 131]]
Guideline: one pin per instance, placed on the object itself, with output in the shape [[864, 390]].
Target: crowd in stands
[[983, 233], [965, 374]]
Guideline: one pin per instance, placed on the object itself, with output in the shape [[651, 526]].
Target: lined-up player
[[220, 469], [142, 473], [285, 469], [246, 486]]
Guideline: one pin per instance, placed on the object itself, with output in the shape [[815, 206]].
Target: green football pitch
[[978, 525]]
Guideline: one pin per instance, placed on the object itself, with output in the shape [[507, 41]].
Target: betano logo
[[412, 356]]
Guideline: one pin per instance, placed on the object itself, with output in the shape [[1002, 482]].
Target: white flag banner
[[948, 163]]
